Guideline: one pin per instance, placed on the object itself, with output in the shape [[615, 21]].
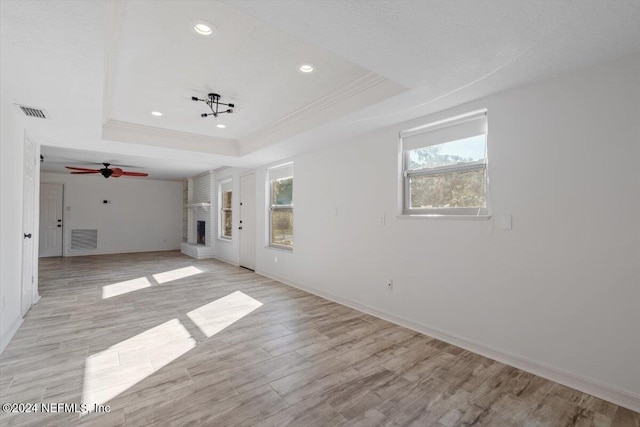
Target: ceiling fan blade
[[64, 160], [76, 173], [82, 169], [134, 174], [116, 164]]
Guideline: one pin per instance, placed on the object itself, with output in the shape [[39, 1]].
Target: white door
[[50, 220], [28, 191], [247, 227]]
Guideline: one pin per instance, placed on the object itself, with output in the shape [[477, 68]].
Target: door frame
[[64, 219], [35, 295], [240, 215]]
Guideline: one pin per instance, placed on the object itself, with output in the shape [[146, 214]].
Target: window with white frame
[[225, 199], [280, 199], [444, 167]]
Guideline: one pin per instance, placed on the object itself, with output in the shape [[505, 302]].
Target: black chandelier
[[213, 101]]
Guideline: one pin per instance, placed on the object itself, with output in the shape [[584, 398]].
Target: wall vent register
[[84, 239]]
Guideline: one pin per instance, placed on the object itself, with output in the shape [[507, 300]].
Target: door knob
[[239, 228], [27, 236], [59, 220], [59, 225]]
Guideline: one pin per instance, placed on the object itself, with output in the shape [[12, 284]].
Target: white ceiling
[[99, 68], [248, 62]]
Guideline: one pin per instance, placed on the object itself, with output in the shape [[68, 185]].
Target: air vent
[[34, 112], [84, 239]]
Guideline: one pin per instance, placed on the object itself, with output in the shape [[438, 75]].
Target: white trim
[[6, 338], [225, 260], [438, 170], [132, 251], [281, 248], [586, 385], [367, 86], [159, 137], [443, 216]]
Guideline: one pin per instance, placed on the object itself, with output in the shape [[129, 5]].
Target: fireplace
[[200, 232]]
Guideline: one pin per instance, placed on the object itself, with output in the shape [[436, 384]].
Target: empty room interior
[[320, 213]]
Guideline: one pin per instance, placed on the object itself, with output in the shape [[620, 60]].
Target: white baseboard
[[586, 385], [228, 261], [116, 252], [6, 338]]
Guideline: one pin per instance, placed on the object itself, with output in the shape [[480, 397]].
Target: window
[[225, 197], [444, 167], [280, 187]]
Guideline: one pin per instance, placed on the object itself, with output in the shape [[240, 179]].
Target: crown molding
[[147, 135], [360, 92], [364, 90]]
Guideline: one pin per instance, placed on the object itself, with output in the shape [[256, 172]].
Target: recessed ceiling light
[[306, 68], [221, 126], [156, 113], [201, 27]]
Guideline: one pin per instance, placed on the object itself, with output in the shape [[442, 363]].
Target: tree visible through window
[[281, 207], [445, 168], [226, 210]]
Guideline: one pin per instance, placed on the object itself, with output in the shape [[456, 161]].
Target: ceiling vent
[[34, 112]]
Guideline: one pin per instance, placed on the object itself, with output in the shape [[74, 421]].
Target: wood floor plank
[[121, 330]]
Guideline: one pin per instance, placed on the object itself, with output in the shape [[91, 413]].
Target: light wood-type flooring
[[164, 339]]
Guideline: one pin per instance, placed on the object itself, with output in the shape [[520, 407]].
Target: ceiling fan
[[107, 172]]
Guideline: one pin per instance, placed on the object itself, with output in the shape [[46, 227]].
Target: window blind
[[454, 129]]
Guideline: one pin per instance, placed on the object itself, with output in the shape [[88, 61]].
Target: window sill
[[224, 239], [442, 216], [280, 248]]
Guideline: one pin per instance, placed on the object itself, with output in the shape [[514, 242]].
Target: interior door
[[50, 220], [247, 226], [28, 191]]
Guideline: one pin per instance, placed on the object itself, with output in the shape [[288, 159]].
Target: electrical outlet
[[389, 285], [275, 258], [381, 220]]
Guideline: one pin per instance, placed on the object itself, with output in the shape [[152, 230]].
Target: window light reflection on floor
[[121, 366], [219, 314], [179, 273], [120, 288]]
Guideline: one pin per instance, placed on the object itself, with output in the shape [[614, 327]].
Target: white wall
[[559, 294], [11, 167], [144, 214]]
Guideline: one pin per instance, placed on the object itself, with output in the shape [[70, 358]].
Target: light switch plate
[[505, 222]]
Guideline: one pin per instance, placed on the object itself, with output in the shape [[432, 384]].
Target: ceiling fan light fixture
[[201, 27], [213, 102], [221, 126], [156, 113]]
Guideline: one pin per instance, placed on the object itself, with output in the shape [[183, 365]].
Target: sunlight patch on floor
[[221, 313], [179, 273], [121, 366], [120, 288]]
